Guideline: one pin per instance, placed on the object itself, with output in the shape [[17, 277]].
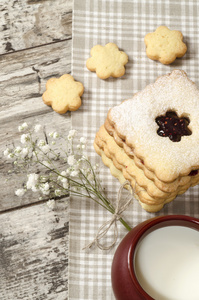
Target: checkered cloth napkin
[[124, 22]]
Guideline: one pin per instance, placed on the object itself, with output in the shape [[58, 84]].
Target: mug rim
[[149, 226]]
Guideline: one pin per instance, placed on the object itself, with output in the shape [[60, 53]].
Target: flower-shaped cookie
[[107, 61], [63, 93], [165, 45]]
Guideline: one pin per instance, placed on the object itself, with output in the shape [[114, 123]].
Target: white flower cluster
[[24, 150], [32, 183], [72, 134], [45, 148], [20, 192], [60, 169], [51, 204], [23, 127], [82, 144], [76, 172], [63, 179]]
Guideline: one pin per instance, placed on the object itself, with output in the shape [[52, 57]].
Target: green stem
[[91, 191], [125, 224], [106, 206]]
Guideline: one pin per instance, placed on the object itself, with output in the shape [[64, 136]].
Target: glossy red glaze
[[124, 281]]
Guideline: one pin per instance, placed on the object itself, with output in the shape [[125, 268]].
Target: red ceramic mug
[[124, 281]]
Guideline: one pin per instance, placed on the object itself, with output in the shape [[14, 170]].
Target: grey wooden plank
[[34, 253], [26, 24], [23, 76]]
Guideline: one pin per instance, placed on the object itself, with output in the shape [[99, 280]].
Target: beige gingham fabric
[[124, 22]]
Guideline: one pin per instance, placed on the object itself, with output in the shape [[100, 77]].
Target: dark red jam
[[172, 126], [193, 173]]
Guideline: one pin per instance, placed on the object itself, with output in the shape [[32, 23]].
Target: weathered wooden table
[[35, 45]]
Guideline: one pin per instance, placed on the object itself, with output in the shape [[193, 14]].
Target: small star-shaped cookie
[[63, 94], [165, 45], [107, 61]]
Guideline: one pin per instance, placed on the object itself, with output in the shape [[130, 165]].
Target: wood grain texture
[[22, 82], [23, 75], [29, 23], [34, 253], [35, 45]]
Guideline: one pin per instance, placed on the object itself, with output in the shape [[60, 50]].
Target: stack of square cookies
[[152, 140]]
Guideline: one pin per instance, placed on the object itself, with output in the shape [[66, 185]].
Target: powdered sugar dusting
[[134, 119]]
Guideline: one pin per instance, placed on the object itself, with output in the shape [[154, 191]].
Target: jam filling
[[193, 173], [172, 126]]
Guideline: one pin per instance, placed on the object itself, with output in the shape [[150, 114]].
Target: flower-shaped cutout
[[107, 61], [172, 126], [165, 45], [63, 94]]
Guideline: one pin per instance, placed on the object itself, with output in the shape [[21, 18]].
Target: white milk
[[167, 263]]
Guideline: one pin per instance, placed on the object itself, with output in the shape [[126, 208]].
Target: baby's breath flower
[[63, 173], [71, 134], [62, 177], [32, 182], [82, 140], [78, 146], [74, 173], [58, 192], [10, 155], [43, 178], [95, 167], [20, 128], [55, 135], [51, 204], [41, 143], [24, 152], [6, 152], [45, 188], [34, 153], [68, 171], [71, 160], [37, 128], [25, 138], [65, 185], [20, 192], [34, 188], [17, 150], [23, 127], [59, 178], [51, 134], [45, 148]]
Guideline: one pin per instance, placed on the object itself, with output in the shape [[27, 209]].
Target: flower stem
[[125, 224]]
